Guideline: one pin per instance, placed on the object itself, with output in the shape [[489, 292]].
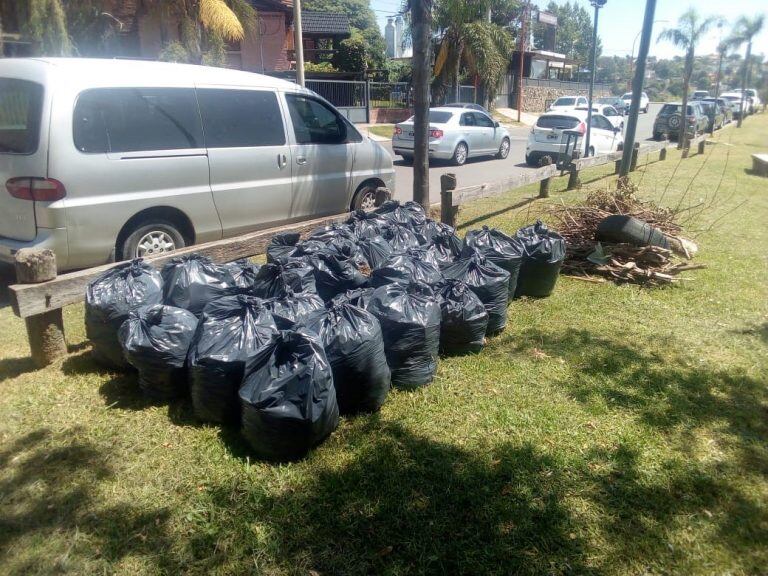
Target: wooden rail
[[41, 303]]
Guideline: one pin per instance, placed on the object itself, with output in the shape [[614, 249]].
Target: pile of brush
[[595, 261]]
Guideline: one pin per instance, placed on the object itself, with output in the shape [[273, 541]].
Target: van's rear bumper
[[51, 238]]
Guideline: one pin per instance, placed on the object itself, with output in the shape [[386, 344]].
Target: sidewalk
[[364, 128], [526, 118]]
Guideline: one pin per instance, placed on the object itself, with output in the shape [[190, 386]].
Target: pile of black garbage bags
[[326, 327]]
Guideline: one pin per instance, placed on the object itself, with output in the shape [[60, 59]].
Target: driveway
[[479, 170]]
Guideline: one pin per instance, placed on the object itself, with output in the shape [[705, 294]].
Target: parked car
[[468, 105], [644, 101], [609, 112], [724, 106], [735, 99], [567, 103], [699, 95], [715, 116], [455, 134], [616, 102], [547, 138], [668, 121], [753, 98], [115, 159]]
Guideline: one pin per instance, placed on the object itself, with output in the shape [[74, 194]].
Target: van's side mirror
[[496, 124], [616, 129]]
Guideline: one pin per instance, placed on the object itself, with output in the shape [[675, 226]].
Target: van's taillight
[[39, 189], [582, 128], [435, 133], [398, 130]]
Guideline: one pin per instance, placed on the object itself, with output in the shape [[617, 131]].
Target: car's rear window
[[439, 117], [563, 122], [565, 102], [21, 107], [669, 109]]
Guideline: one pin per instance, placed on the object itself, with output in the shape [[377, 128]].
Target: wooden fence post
[[663, 153], [635, 154], [617, 167], [544, 184], [447, 209], [573, 177], [702, 144], [45, 331]]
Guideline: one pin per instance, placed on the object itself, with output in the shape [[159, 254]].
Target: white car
[[547, 139], [752, 101], [613, 115], [567, 103], [644, 101], [735, 99]]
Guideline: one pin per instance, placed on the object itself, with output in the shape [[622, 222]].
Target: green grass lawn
[[384, 130], [609, 430]]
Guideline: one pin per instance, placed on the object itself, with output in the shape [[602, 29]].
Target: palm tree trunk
[[683, 136], [744, 79], [421, 16]]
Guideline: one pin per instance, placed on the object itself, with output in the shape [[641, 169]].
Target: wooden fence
[[40, 302]]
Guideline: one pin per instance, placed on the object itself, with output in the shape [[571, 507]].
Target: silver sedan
[[455, 134]]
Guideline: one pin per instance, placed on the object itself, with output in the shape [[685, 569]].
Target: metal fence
[[390, 94], [349, 96]]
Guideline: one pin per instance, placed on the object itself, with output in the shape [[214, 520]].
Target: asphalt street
[[479, 170]]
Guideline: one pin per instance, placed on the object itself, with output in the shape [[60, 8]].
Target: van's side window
[[21, 104], [314, 122], [235, 118], [137, 119]]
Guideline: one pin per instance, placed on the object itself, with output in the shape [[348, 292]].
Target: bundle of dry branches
[[647, 265]]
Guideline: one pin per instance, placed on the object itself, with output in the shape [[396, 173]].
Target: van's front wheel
[[152, 239]]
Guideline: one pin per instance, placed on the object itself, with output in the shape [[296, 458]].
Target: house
[[137, 29]]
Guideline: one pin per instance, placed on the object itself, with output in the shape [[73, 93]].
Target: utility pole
[[421, 21], [637, 87], [298, 43], [593, 58], [521, 48]]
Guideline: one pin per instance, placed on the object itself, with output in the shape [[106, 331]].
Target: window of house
[[137, 119], [239, 118], [314, 122]]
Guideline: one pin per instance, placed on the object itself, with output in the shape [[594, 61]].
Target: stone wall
[[536, 98]]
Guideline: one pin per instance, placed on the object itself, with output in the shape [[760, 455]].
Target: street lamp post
[[597, 4]]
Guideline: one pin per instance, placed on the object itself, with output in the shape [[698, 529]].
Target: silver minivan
[[106, 160]]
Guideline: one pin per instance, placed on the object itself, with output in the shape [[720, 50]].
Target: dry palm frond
[[219, 18]]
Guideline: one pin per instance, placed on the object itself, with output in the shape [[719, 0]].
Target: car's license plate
[[410, 133], [552, 136]]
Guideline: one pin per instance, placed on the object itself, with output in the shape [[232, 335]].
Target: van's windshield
[[21, 105]]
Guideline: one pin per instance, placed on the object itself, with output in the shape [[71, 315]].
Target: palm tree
[[208, 22], [469, 38], [744, 31], [690, 29]]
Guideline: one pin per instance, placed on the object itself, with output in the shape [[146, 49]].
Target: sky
[[621, 20]]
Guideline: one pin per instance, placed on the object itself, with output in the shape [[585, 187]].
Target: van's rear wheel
[[151, 239], [365, 198]]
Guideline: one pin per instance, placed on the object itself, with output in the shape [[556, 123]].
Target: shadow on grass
[[12, 367], [50, 496]]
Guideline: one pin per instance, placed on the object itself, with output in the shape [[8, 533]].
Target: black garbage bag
[[190, 282], [359, 297], [447, 247], [424, 253], [400, 237], [244, 272], [365, 224], [410, 323], [504, 251], [544, 252], [414, 265], [354, 346], [293, 308], [108, 301], [347, 249], [376, 251], [464, 319], [282, 245], [489, 282], [308, 248], [274, 280], [231, 330], [288, 399], [336, 273], [410, 214], [431, 228], [155, 340], [330, 232]]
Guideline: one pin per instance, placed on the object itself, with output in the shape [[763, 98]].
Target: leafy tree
[[690, 29], [44, 22], [351, 56], [468, 39], [744, 32], [361, 20], [574, 31]]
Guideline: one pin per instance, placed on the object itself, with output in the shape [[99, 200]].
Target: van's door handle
[[282, 160], [301, 160]]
